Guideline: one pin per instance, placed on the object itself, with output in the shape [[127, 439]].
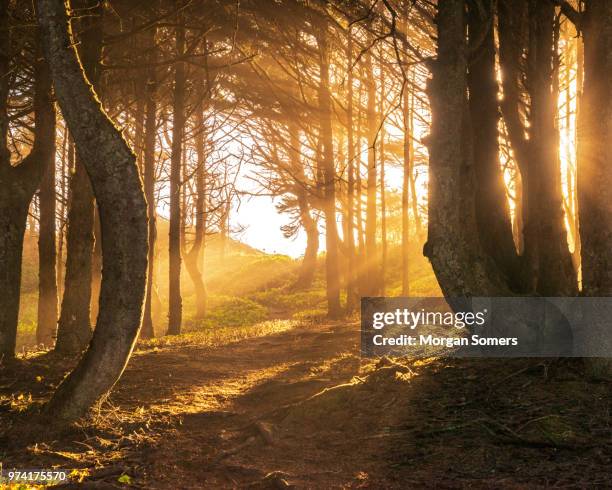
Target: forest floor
[[293, 404]]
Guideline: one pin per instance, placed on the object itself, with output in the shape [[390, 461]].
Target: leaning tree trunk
[[595, 169], [18, 185], [460, 266], [74, 327], [492, 210], [112, 169]]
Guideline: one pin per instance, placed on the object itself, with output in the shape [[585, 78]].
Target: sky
[[262, 223]]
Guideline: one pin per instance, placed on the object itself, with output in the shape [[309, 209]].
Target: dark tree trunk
[[47, 288], [545, 233], [512, 27], [595, 170], [18, 185], [329, 176], [74, 327], [461, 268], [492, 209], [13, 216], [175, 301], [148, 162], [117, 187]]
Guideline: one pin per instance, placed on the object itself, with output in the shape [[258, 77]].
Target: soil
[[301, 409]]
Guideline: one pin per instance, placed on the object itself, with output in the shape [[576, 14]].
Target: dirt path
[[247, 415], [300, 408]]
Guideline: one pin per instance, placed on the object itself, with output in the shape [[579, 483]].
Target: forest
[[198, 196]]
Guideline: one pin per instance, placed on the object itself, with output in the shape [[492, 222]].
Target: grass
[[246, 288], [220, 335]]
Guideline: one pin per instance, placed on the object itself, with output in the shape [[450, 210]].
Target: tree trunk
[[460, 266], [47, 288], [351, 280], [74, 327], [18, 185], [545, 234], [192, 258], [113, 172], [309, 262], [372, 283], [383, 201], [148, 162], [175, 301], [492, 210], [595, 171], [67, 164], [512, 17], [329, 176]]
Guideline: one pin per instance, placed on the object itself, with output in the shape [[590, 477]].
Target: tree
[[112, 169], [150, 132], [47, 289], [18, 183], [175, 302], [74, 327], [594, 168], [329, 175], [460, 265]]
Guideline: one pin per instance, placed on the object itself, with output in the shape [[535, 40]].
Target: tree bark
[[460, 266], [175, 301], [74, 327], [113, 172], [595, 171]]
